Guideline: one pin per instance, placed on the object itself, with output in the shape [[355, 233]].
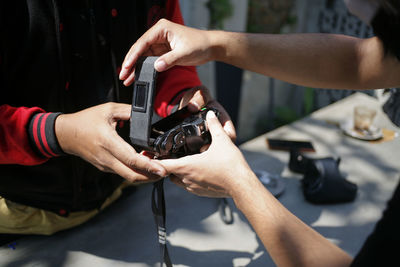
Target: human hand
[[174, 43], [199, 97], [91, 135], [217, 172]]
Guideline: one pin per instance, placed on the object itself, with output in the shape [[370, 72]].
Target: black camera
[[179, 134]]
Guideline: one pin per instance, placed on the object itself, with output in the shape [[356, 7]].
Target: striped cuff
[[42, 135]]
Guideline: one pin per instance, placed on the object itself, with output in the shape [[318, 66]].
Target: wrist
[[61, 129], [217, 46]]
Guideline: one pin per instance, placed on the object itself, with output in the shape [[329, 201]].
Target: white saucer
[[373, 133]]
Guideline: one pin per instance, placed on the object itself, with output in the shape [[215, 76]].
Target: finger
[[127, 68], [155, 35], [229, 128], [130, 79], [145, 177], [215, 126], [170, 165], [131, 175], [140, 48], [137, 49], [196, 98], [176, 166], [128, 75], [225, 120], [167, 61], [200, 99], [121, 111], [128, 156]]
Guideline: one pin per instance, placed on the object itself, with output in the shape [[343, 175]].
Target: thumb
[[175, 166], [166, 61], [170, 164], [215, 126]]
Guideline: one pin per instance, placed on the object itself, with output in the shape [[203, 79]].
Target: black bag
[[322, 182]]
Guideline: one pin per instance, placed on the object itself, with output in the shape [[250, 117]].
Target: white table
[[374, 167]]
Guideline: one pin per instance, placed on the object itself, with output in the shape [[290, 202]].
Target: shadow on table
[[125, 233]]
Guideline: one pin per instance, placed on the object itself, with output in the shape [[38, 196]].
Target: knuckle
[[132, 162], [162, 21], [111, 107]]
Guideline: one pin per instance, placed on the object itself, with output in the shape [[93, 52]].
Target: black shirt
[[382, 246]]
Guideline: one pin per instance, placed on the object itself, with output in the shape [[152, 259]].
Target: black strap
[[158, 207], [225, 211]]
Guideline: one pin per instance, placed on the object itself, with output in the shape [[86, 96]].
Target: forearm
[[288, 240], [314, 60]]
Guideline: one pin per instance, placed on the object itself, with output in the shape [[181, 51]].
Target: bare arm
[[289, 241], [315, 60]]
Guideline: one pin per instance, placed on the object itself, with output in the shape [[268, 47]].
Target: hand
[[91, 135], [217, 172], [174, 43], [199, 97]]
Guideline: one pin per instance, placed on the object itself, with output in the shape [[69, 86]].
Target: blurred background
[[240, 91]]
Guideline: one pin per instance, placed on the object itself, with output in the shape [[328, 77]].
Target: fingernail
[[211, 114], [122, 72], [160, 65]]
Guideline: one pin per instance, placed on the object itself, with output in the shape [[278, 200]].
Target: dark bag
[[322, 182]]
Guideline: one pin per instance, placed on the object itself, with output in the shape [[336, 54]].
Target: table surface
[[124, 234]]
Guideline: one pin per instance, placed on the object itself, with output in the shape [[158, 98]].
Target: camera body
[[179, 134], [182, 133]]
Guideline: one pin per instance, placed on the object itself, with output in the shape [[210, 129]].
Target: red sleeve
[[14, 140], [173, 11], [178, 78]]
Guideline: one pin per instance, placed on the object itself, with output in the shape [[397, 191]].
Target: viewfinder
[[140, 96]]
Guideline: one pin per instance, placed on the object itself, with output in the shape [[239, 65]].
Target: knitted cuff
[[42, 135]]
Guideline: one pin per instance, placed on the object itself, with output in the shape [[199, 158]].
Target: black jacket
[[64, 56]]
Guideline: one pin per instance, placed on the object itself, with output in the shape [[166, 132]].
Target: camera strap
[[225, 211], [158, 207]]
